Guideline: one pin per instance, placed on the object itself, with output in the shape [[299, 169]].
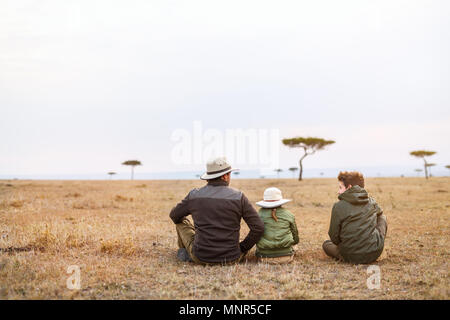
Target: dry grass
[[120, 235]]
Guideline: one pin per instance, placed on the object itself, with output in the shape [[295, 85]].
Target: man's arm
[[335, 226], [254, 222], [180, 211]]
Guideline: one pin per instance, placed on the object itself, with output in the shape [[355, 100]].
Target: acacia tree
[[429, 165], [293, 169], [309, 145], [278, 172], [132, 164], [418, 171], [422, 154], [111, 173]]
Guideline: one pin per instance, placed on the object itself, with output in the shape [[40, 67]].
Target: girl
[[280, 229]]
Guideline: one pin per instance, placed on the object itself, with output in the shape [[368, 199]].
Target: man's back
[[217, 211]]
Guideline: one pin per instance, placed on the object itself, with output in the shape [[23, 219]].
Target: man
[[358, 226], [216, 210]]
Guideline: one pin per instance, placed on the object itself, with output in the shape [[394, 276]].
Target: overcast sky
[[85, 85]]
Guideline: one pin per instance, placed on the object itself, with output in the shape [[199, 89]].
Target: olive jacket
[[353, 225], [279, 236]]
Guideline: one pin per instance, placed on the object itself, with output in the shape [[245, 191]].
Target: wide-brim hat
[[216, 168], [272, 199]]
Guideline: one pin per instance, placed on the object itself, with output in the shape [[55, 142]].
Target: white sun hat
[[216, 168], [272, 198]]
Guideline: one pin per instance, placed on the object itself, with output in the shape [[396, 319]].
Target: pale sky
[[86, 85]]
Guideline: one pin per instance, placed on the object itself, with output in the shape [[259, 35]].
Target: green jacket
[[279, 236], [352, 226]]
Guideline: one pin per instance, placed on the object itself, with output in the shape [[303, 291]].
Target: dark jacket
[[353, 226], [279, 236], [217, 211]]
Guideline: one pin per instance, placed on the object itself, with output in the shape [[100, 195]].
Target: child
[[280, 229], [358, 226]]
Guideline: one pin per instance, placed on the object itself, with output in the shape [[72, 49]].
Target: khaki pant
[[332, 250], [277, 260], [186, 235]]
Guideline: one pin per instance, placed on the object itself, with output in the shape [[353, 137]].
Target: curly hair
[[351, 178]]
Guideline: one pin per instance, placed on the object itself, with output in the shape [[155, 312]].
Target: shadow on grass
[[20, 249]]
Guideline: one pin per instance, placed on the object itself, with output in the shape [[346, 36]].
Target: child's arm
[[380, 211], [294, 231], [377, 207]]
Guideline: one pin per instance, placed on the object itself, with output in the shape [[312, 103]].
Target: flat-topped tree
[[422, 154], [278, 172], [132, 163], [429, 165], [111, 173], [293, 169], [309, 145]]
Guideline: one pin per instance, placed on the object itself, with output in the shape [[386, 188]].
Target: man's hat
[[216, 168]]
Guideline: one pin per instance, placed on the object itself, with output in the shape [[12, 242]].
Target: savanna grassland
[[120, 235]]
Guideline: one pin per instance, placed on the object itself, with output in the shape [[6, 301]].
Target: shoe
[[183, 255]]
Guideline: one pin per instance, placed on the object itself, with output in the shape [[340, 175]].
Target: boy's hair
[[351, 178]]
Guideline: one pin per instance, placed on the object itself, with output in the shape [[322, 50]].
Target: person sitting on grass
[[280, 229], [358, 226], [217, 211]]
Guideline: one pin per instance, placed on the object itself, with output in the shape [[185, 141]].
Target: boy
[[358, 226]]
